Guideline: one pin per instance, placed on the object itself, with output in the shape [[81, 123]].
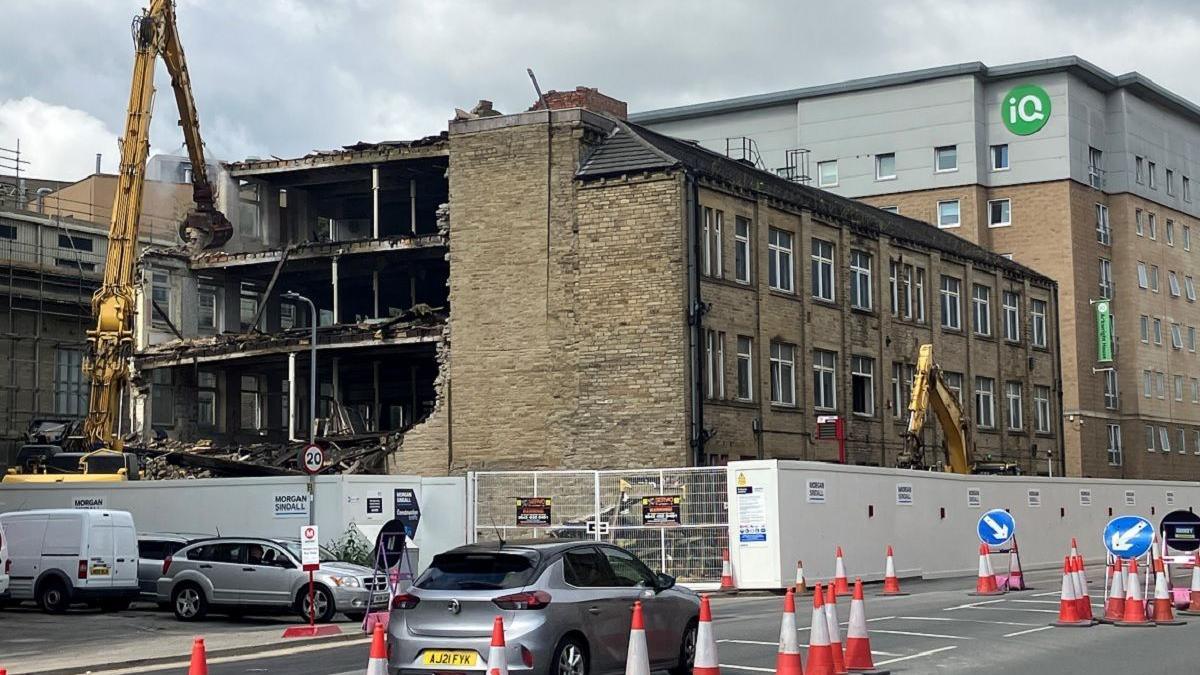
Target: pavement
[[936, 629]]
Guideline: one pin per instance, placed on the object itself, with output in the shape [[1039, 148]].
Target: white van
[[5, 567], [66, 556]]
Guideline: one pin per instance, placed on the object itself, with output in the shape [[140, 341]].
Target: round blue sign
[[1128, 536], [996, 527]]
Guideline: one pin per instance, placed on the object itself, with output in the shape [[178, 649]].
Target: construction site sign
[[661, 510], [974, 498], [904, 494], [1104, 333], [533, 511]]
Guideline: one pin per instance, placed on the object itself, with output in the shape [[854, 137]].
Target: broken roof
[[631, 148], [361, 152]]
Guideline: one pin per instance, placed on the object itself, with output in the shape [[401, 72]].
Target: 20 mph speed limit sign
[[313, 458]]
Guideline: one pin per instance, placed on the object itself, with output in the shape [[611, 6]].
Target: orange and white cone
[[835, 632], [1068, 604], [891, 583], [985, 583], [788, 661], [1135, 605], [726, 572], [841, 585], [706, 643], [637, 658], [199, 663], [858, 643], [1193, 607], [1085, 600], [377, 662], [1074, 547], [1016, 580], [801, 586], [497, 662], [820, 655], [1163, 613], [1114, 609]]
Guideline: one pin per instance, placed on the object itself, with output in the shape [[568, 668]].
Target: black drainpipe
[[696, 310]]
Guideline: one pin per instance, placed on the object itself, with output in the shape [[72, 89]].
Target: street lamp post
[[312, 399]]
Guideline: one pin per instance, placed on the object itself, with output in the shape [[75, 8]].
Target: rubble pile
[[175, 460]]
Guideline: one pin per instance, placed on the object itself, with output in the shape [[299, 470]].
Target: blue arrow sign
[[996, 527], [1128, 536]]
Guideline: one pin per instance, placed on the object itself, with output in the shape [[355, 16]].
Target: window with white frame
[[207, 315], [827, 173], [251, 403], [890, 209], [160, 295], [1196, 441], [1147, 384], [1170, 232], [1187, 189], [779, 260], [1143, 275], [162, 397], [1191, 338], [1106, 282], [1164, 439], [1182, 441], [860, 279], [999, 212], [954, 382], [1177, 381], [1037, 315], [951, 305], [885, 166], [1152, 174], [741, 250], [1114, 445], [985, 402], [945, 158], [1137, 222], [714, 372], [710, 260], [783, 374], [1145, 326], [1012, 316], [862, 385], [1154, 278], [1012, 393], [1173, 283], [1187, 238], [745, 368], [948, 215], [1152, 225], [824, 380], [1103, 232], [1157, 322], [822, 270], [999, 157], [1095, 168], [287, 315], [1139, 171], [1041, 409], [1195, 390], [981, 309], [1150, 438], [1170, 182], [206, 399], [1111, 393], [908, 291], [70, 390], [902, 377], [1160, 384]]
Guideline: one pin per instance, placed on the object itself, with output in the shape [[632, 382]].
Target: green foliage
[[353, 547]]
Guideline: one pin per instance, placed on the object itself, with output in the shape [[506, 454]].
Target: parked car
[[153, 549], [66, 556], [244, 575], [5, 568], [567, 609]]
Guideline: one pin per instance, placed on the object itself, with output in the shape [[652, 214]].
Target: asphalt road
[[937, 629]]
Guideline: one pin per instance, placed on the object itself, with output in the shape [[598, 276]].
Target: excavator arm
[[929, 390]]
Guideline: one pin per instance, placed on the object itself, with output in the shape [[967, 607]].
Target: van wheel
[[52, 597], [322, 600], [188, 603]]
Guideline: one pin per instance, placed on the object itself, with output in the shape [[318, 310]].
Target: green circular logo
[[1025, 109]]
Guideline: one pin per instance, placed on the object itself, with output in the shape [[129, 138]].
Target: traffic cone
[[637, 658], [377, 662], [1135, 608], [1164, 608], [858, 643], [985, 583], [497, 662], [199, 664], [801, 586], [841, 585], [787, 661], [820, 655], [726, 572], [1085, 600], [891, 584], [1193, 607], [1016, 581], [705, 662], [1068, 604], [1074, 547], [1114, 609], [835, 632]]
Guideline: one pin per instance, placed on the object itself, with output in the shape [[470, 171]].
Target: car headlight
[[348, 582]]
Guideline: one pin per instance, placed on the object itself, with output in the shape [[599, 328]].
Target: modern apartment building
[[1085, 176]]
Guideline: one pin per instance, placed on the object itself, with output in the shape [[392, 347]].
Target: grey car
[[567, 609], [245, 575], [153, 549]]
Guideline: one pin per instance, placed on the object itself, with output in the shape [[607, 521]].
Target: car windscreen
[[476, 571]]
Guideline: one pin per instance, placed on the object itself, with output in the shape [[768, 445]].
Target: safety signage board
[[815, 491], [310, 548], [407, 510], [1130, 498], [1128, 536], [1085, 497], [1034, 497], [661, 510], [974, 498], [1181, 530], [752, 515], [996, 527], [533, 511], [904, 494]]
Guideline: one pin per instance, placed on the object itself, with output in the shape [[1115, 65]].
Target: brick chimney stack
[[587, 98]]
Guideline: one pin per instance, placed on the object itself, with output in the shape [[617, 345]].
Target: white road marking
[[1051, 602], [1019, 609], [925, 635], [749, 668], [958, 620], [1048, 593], [243, 657], [1026, 632], [776, 644], [972, 605], [914, 656]]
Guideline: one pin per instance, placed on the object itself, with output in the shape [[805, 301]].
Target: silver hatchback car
[[567, 609]]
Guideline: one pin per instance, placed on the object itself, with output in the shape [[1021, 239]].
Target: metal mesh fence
[[607, 506]]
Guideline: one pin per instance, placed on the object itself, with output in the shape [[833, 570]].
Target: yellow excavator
[[114, 305], [929, 390]]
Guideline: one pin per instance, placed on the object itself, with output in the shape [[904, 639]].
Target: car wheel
[[114, 605], [323, 602], [570, 658], [687, 650], [188, 603], [356, 617], [52, 597]]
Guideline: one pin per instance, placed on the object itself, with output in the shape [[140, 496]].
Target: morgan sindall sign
[[1025, 109]]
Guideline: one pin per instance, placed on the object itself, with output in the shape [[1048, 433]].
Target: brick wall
[[587, 98]]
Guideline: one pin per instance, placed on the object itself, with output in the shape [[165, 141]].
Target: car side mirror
[[664, 581]]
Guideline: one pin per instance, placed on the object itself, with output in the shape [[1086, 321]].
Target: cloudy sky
[[284, 77]]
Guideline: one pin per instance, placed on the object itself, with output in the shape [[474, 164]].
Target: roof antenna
[[496, 529]]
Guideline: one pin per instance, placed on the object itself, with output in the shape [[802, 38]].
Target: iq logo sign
[[1025, 109]]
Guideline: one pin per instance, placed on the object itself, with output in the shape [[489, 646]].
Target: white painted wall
[[926, 544]]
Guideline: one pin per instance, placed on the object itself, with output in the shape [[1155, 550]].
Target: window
[[250, 399], [1139, 169], [1173, 283], [945, 158], [783, 374], [822, 270], [714, 372], [985, 404], [1143, 277], [206, 308], [1000, 157], [1187, 238], [710, 259], [1157, 331], [860, 279], [741, 250], [1164, 439], [890, 209], [1152, 225], [1149, 438], [1095, 168], [287, 315], [1170, 232], [1191, 338], [1196, 441], [954, 382], [1012, 316], [76, 243], [902, 377], [206, 399], [862, 385], [1182, 441], [73, 264], [885, 166], [1114, 445], [582, 568], [247, 308], [827, 173], [160, 294], [950, 303], [1177, 381], [779, 259], [1170, 182], [1152, 173], [1160, 384], [1187, 189], [1154, 278], [908, 291], [1137, 222], [1147, 384], [1012, 392], [1103, 233], [999, 213], [981, 309], [1037, 313], [745, 368], [1111, 399], [1041, 409], [70, 392], [1195, 390], [8, 232], [627, 571], [1106, 284], [824, 380], [1145, 329], [162, 397], [948, 213]]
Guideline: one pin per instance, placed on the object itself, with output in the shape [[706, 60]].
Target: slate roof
[[630, 148]]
